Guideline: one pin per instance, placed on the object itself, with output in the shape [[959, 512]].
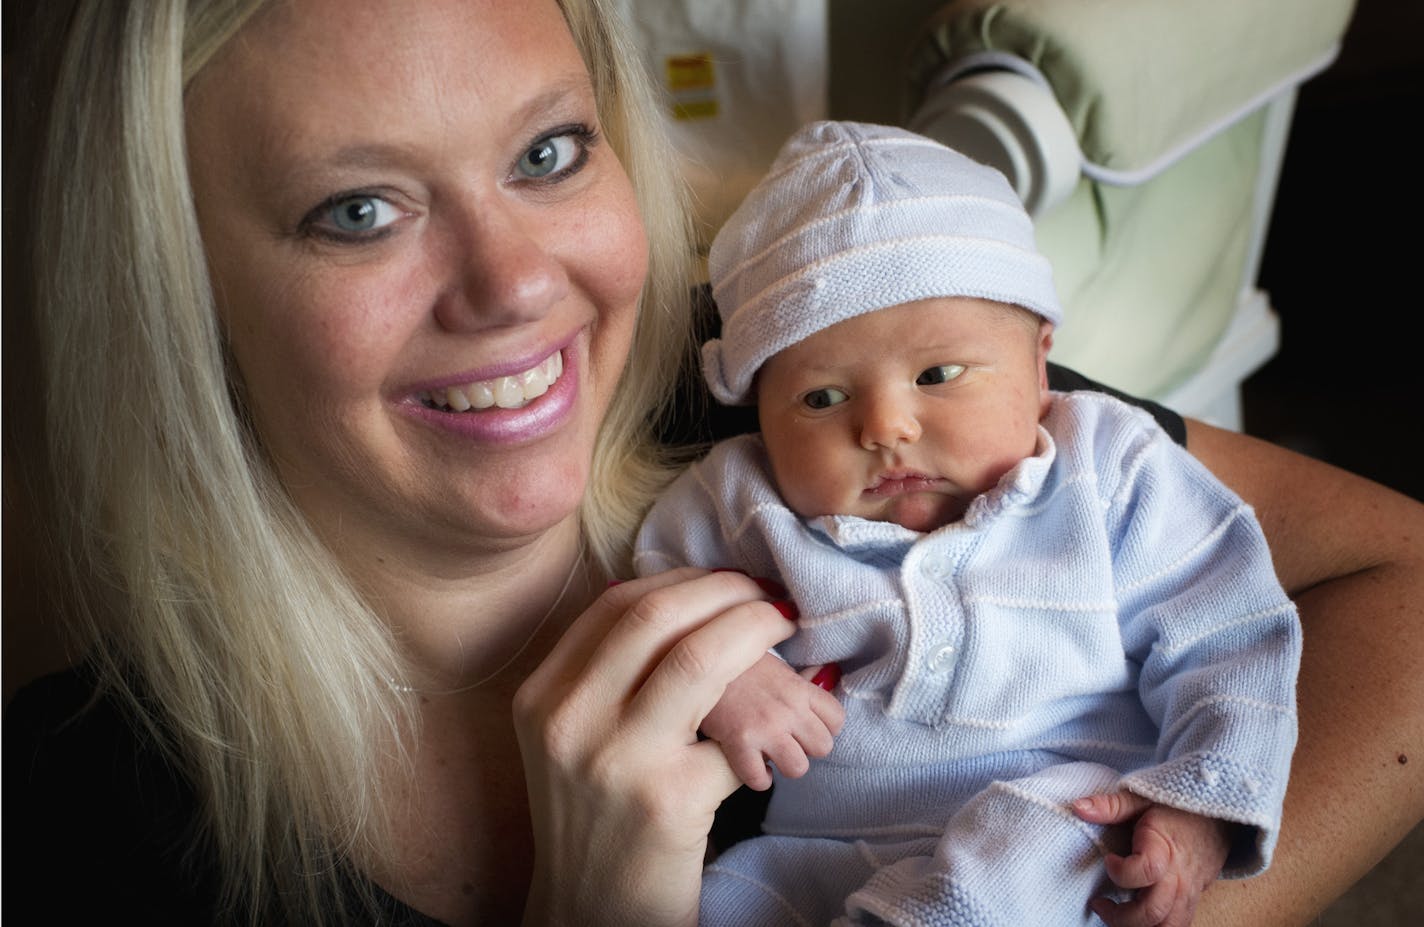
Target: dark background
[[1342, 263], [1343, 260]]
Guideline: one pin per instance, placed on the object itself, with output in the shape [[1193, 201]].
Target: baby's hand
[[773, 714], [1175, 856]]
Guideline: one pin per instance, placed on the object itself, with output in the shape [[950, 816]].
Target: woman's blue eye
[[941, 374], [823, 398], [358, 214], [550, 155]]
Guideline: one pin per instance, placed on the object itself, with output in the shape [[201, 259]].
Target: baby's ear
[[1045, 343]]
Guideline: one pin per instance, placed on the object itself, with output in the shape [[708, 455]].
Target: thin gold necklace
[[568, 581]]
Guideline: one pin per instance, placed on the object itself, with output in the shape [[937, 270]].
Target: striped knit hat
[[852, 218]]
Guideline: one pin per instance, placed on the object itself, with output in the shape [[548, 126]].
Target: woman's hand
[[621, 791]]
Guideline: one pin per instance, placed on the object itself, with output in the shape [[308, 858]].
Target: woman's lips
[[524, 405], [506, 392]]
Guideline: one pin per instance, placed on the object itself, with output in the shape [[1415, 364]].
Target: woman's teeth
[[510, 392]]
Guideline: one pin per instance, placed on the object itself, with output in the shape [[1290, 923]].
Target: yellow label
[[692, 81], [690, 72], [697, 109]]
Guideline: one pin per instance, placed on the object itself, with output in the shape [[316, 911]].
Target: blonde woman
[[353, 319]]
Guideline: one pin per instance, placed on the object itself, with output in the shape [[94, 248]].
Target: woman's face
[[426, 260]]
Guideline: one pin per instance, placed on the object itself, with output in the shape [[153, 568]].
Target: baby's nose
[[887, 424]]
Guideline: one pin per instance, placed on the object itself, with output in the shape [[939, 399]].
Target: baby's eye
[[823, 398], [555, 155], [941, 374]]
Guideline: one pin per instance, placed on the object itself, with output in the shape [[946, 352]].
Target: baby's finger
[[813, 736], [788, 757], [830, 711], [1150, 860], [1153, 907], [1144, 867], [1111, 807], [704, 771], [750, 767]]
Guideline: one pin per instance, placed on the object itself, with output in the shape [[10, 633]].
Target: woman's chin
[[528, 508]]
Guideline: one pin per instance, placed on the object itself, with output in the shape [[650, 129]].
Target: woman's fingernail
[[772, 588], [787, 609], [827, 676], [614, 582]]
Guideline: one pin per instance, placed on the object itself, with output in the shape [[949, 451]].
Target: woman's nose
[[501, 272], [887, 423]]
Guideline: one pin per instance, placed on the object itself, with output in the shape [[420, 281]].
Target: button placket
[[935, 567], [937, 623], [941, 657]]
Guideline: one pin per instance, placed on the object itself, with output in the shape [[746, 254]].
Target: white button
[[941, 658], [933, 567]]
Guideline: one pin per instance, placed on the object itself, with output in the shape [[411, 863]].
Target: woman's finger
[[660, 619], [570, 656], [679, 690]]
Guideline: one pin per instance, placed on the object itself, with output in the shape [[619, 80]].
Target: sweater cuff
[[1218, 787]]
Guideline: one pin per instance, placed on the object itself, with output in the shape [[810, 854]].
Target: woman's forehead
[[350, 78]]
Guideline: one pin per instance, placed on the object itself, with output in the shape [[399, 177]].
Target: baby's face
[[905, 414]]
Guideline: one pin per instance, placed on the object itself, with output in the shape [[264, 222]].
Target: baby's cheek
[[807, 492]]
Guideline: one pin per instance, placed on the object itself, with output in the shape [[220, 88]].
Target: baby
[[1036, 599]]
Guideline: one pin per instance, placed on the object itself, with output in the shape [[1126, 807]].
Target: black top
[[99, 828]]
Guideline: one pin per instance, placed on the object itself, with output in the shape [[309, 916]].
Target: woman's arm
[[1351, 554]]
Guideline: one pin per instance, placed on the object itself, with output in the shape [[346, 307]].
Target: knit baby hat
[[854, 217]]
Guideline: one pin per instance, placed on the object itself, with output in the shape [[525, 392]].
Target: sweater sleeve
[[1218, 642], [701, 519], [681, 529]]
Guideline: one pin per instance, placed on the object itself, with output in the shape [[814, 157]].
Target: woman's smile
[[505, 406], [511, 391]]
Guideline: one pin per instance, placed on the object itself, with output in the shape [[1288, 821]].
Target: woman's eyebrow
[[551, 105], [572, 90]]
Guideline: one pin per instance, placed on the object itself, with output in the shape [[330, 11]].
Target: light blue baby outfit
[[1107, 616]]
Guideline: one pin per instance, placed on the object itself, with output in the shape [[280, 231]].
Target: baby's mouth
[[511, 392], [901, 481]]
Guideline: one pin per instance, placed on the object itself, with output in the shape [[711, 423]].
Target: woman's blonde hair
[[200, 593], [629, 467]]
